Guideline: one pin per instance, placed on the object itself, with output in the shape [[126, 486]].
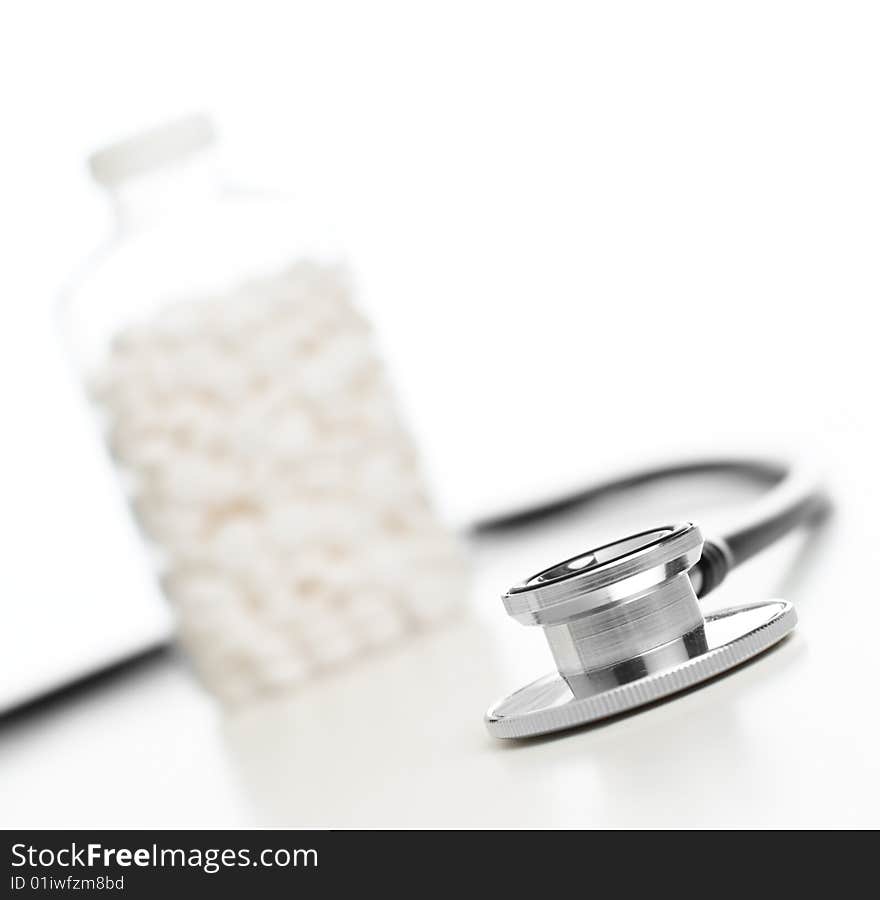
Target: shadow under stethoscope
[[638, 767]]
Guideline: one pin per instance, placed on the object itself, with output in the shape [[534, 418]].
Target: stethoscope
[[623, 620]]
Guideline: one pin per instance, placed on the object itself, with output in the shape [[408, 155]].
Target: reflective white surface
[[790, 739], [707, 174], [75, 591]]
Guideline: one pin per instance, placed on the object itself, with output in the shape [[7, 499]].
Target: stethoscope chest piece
[[625, 628]]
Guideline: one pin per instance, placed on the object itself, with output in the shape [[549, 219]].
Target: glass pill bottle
[[252, 423]]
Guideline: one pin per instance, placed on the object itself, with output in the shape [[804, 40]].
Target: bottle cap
[[152, 149]]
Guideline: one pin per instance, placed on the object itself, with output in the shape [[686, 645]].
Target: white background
[[589, 234]]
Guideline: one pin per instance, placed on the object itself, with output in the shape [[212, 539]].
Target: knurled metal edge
[[647, 689]]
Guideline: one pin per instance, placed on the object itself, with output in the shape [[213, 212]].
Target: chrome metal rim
[[612, 573], [729, 638]]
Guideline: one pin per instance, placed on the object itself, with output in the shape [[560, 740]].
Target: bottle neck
[[173, 190]]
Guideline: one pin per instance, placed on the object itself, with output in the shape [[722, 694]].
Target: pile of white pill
[[266, 462]]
